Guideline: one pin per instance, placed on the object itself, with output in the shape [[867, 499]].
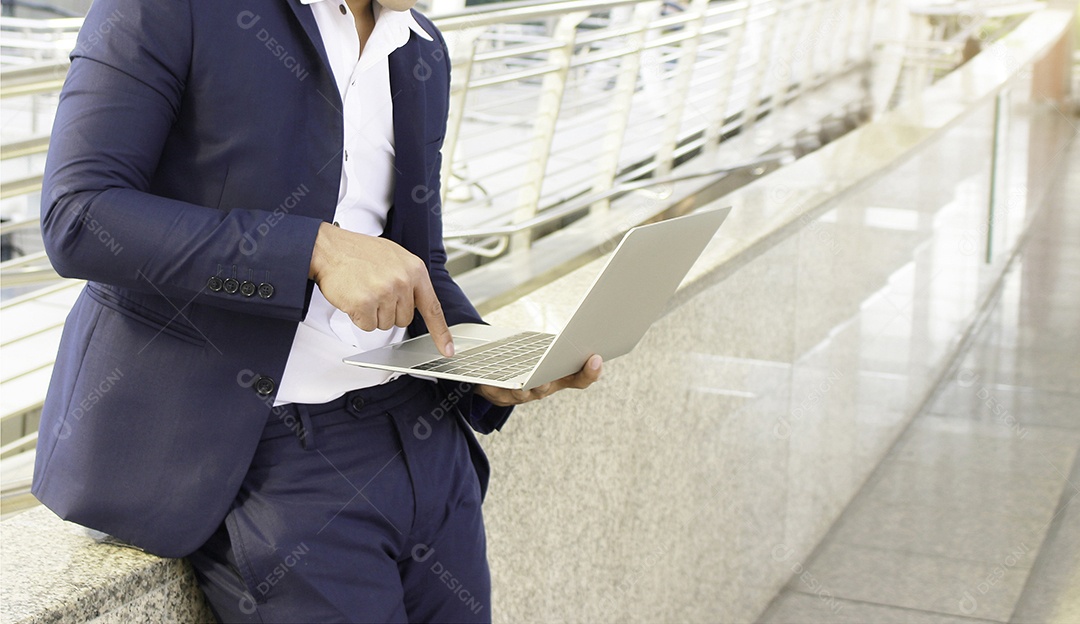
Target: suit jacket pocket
[[174, 325]]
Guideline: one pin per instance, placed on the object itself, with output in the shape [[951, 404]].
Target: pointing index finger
[[431, 310]]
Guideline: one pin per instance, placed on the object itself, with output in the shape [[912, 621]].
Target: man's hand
[[377, 282], [580, 380]]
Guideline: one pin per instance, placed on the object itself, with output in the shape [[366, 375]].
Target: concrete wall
[[690, 484]]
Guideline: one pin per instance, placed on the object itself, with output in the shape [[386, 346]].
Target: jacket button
[[264, 386], [231, 286], [247, 288], [214, 283], [357, 402], [266, 290]]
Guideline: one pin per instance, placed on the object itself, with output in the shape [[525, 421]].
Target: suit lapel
[[311, 29]]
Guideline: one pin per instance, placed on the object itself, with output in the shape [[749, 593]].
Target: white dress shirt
[[314, 372]]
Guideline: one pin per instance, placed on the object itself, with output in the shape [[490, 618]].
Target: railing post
[[839, 32], [789, 36], [866, 46], [462, 46], [808, 71], [665, 156], [625, 87], [845, 38], [768, 43], [734, 48], [551, 92], [916, 75]]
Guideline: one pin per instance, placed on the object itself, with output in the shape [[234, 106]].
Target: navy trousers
[[364, 509]]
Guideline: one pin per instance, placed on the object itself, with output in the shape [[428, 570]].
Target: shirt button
[[264, 386], [357, 402], [341, 7]]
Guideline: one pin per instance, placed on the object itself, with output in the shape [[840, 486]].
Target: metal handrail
[[38, 294], [29, 269], [503, 12], [53, 24], [37, 331], [21, 186], [34, 79], [22, 261], [33, 275], [582, 203], [549, 49], [22, 443], [18, 226], [26, 147]]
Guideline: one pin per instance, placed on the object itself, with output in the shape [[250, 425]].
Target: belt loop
[[307, 431]]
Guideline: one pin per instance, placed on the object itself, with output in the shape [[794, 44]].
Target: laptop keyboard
[[498, 360]]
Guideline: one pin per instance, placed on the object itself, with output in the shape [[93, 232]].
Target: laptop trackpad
[[424, 344]]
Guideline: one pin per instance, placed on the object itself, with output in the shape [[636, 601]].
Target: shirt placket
[[340, 323]]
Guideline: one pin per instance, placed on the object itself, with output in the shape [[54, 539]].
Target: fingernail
[[594, 362], [450, 348]]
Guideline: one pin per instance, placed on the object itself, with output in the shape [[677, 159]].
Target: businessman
[[251, 190]]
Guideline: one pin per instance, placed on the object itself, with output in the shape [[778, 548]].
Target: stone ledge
[[56, 571]]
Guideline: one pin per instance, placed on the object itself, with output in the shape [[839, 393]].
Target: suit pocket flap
[[175, 325]]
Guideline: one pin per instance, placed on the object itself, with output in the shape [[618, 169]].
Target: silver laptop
[[628, 295]]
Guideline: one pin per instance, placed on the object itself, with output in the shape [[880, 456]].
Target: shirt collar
[[404, 18]]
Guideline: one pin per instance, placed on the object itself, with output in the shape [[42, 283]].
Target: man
[[251, 189]]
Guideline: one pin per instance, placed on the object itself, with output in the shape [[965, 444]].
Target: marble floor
[[974, 515]]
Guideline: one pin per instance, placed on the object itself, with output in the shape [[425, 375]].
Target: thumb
[[431, 310]]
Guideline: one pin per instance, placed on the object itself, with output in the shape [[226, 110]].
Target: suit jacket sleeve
[[100, 220], [478, 411]]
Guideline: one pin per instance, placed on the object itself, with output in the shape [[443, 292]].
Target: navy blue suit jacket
[[199, 140]]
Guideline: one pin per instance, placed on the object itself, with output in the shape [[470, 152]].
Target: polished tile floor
[[974, 515]]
